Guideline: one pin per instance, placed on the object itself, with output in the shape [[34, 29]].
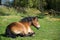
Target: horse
[[22, 28]]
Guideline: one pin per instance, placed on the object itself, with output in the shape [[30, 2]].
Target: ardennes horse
[[22, 28]]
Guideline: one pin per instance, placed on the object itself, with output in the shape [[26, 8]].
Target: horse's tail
[[7, 32]]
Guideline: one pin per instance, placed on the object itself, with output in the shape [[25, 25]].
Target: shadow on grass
[[41, 15], [57, 16], [4, 14], [3, 35]]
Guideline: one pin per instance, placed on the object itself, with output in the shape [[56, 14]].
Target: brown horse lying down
[[22, 28]]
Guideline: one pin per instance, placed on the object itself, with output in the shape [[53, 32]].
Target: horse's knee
[[31, 33]]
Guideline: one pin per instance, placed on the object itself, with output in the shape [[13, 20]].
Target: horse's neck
[[26, 23], [27, 26]]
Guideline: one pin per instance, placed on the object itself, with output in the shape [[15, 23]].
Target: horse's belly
[[16, 32]]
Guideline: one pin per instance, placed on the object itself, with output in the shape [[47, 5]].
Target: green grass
[[49, 30], [7, 11]]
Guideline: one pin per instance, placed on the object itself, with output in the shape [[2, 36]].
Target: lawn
[[49, 30]]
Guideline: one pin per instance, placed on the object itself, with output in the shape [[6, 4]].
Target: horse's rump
[[16, 28]]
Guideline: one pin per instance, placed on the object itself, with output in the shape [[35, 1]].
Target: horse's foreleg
[[30, 32], [24, 33]]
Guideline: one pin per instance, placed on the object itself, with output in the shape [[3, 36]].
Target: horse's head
[[35, 22], [31, 20]]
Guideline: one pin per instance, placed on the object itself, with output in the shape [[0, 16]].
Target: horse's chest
[[29, 29]]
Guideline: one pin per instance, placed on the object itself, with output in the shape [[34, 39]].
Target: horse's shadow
[[3, 35]]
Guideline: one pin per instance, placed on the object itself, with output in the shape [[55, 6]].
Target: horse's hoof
[[33, 35]]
